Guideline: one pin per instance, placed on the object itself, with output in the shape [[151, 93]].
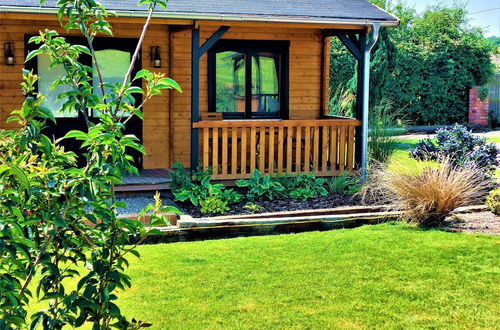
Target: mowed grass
[[392, 276]]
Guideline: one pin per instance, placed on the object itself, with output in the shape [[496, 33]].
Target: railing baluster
[[289, 149], [253, 148], [281, 146], [244, 151], [333, 149], [307, 153], [206, 148], [316, 149], [271, 150], [342, 155], [324, 150], [234, 150], [224, 150], [215, 151], [350, 149], [298, 150], [262, 149]]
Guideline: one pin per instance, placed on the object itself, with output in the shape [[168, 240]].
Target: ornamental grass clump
[[425, 195]]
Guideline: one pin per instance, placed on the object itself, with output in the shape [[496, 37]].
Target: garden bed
[[278, 205]]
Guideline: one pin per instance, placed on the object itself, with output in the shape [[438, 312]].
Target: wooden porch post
[[196, 53], [355, 42]]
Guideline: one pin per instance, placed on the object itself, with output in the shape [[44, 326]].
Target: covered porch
[[291, 136]]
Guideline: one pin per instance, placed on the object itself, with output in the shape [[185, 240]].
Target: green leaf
[[33, 54], [25, 183]]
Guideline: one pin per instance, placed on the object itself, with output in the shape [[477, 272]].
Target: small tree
[[57, 218]]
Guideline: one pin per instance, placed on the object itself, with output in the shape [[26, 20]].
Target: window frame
[[249, 47]]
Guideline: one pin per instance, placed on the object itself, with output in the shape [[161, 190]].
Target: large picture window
[[249, 79]]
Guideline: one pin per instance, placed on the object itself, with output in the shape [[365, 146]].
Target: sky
[[489, 20]]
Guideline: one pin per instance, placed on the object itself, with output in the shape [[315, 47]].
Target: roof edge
[[219, 17]]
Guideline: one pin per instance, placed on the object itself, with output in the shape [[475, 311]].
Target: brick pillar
[[478, 110]]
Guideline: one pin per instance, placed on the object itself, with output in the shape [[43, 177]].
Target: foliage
[[306, 186], [253, 207], [345, 183], [179, 176], [493, 201], [460, 146], [426, 195], [200, 188], [261, 187], [482, 93], [213, 205], [58, 218], [384, 125], [424, 67]]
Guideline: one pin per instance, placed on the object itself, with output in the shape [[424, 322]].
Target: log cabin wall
[[305, 93], [156, 126]]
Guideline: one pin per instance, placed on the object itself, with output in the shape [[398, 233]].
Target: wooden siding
[[305, 76], [156, 113]]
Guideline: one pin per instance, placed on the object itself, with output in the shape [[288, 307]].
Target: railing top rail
[[276, 123]]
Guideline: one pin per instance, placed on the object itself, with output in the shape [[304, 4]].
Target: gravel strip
[[137, 202]]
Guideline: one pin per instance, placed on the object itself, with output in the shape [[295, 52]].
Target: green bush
[[346, 183], [425, 67], [253, 207], [213, 205], [261, 187], [493, 201], [306, 186], [187, 190]]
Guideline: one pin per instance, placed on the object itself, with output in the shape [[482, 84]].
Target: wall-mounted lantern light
[[155, 57], [10, 58]]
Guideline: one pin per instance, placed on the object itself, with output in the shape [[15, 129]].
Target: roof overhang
[[219, 17]]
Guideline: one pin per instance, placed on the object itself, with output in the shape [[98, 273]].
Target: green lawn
[[390, 275]]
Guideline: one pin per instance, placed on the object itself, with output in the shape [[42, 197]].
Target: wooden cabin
[[254, 75]]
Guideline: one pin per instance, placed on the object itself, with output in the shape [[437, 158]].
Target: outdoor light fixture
[[155, 57], [10, 59]]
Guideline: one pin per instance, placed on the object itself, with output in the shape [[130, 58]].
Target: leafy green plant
[[384, 125], [307, 186], [493, 201], [261, 187], [57, 218], [253, 207], [198, 192], [213, 205], [345, 183]]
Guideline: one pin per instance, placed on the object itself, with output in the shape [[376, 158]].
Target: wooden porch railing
[[233, 149]]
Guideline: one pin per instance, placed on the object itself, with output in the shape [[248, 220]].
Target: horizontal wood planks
[[233, 149], [156, 113]]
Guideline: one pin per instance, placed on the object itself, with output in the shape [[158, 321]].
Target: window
[[249, 79], [47, 76]]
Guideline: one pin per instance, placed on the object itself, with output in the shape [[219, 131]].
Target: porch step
[[147, 180]]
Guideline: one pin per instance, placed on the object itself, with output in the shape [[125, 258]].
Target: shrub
[[306, 186], [384, 126], [428, 195], [253, 207], [187, 190], [493, 201], [345, 183], [261, 187], [213, 205], [460, 147]]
